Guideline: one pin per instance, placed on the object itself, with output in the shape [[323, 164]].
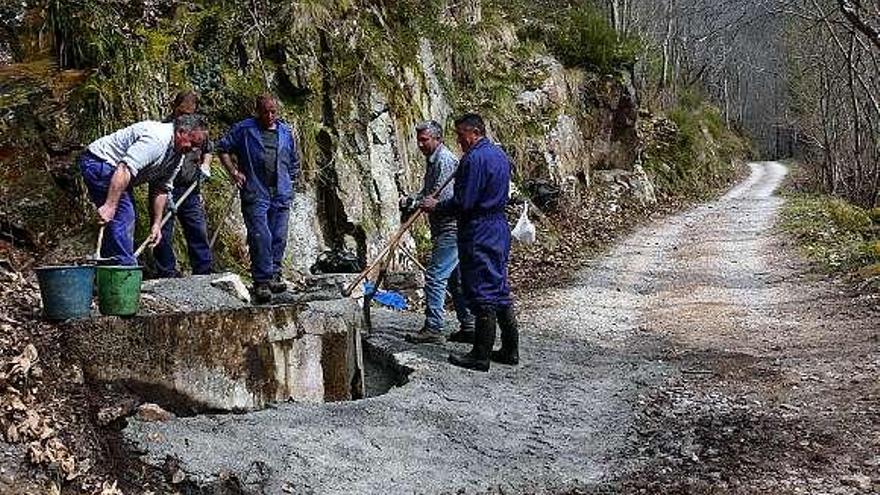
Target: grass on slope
[[840, 237]]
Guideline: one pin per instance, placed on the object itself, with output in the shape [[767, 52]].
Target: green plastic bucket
[[119, 289]]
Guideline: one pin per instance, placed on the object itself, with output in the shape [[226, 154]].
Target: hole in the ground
[[381, 373]]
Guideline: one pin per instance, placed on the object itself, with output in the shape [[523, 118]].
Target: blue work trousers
[[266, 223], [442, 273], [118, 245], [484, 250], [191, 214]]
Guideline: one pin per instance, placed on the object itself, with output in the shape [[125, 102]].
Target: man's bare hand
[[106, 213], [238, 179], [429, 203], [155, 236]]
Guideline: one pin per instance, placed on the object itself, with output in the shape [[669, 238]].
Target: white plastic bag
[[525, 230]]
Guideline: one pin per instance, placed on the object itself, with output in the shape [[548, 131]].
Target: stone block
[[233, 284], [153, 412], [229, 359]]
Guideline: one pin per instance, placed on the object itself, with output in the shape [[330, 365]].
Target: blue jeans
[[442, 273], [118, 243], [191, 214], [266, 222]]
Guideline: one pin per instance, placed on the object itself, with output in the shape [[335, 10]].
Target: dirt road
[[695, 357]]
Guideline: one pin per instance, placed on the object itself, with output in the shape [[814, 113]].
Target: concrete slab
[[204, 293], [195, 347]]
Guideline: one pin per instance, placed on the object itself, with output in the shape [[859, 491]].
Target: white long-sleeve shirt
[[146, 148]]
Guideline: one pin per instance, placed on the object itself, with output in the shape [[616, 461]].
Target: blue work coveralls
[[191, 214], [118, 245], [266, 210], [482, 184]]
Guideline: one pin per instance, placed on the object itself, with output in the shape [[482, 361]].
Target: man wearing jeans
[[442, 272], [190, 211], [482, 186]]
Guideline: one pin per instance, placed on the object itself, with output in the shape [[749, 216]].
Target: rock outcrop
[[353, 81]]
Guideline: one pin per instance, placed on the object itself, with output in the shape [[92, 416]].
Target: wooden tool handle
[[394, 241], [167, 217], [100, 241]]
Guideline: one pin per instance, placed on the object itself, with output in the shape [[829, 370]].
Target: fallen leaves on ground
[[43, 404]]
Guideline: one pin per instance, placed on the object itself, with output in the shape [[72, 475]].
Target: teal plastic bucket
[[119, 289], [66, 291]]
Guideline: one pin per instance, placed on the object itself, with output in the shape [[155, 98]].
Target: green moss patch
[[691, 151], [834, 233]]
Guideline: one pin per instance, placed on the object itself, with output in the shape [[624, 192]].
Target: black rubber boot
[[277, 285], [509, 352], [464, 334], [484, 338]]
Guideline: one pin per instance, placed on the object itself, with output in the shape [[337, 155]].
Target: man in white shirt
[[148, 152]]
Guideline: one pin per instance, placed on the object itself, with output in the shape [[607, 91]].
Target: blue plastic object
[[391, 299], [66, 291]]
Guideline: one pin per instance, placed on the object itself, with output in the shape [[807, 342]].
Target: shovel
[[226, 210], [96, 257]]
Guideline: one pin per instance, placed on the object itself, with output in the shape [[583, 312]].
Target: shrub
[[583, 37], [848, 217]]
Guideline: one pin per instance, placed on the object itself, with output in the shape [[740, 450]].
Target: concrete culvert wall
[[239, 358]]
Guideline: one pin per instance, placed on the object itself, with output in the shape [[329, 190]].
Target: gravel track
[[693, 319]]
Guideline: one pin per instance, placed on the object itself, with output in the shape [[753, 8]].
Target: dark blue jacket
[[482, 185], [245, 142]]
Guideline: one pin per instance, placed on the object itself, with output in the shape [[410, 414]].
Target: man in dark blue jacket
[[265, 173], [482, 184]]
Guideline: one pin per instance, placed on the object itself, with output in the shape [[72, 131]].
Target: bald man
[[265, 171]]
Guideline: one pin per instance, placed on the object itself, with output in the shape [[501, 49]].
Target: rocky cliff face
[[353, 80]]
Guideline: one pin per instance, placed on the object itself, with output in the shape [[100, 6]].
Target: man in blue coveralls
[[482, 185], [442, 271], [191, 210], [265, 173], [147, 152]]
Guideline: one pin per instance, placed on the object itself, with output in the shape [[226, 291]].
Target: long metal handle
[[100, 241], [226, 211]]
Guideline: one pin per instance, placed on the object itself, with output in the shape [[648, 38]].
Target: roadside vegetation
[[692, 152], [840, 237], [79, 69]]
